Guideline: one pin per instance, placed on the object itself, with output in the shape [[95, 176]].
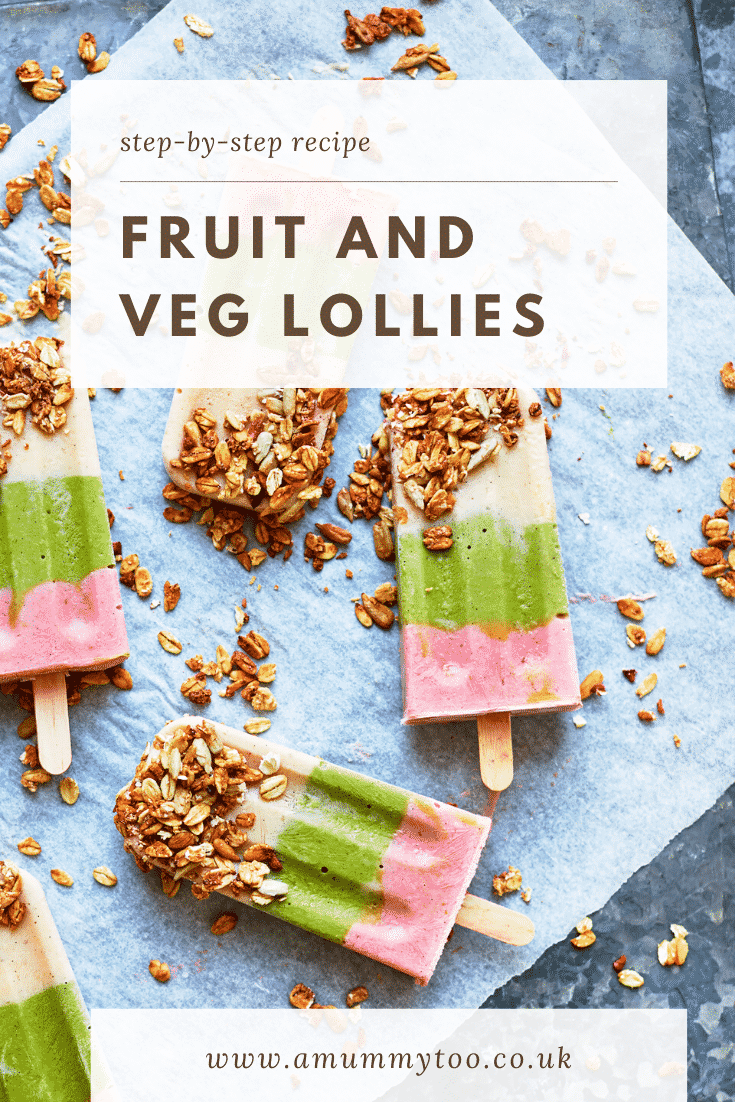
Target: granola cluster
[[374, 28], [33, 382], [717, 559], [270, 457], [12, 907], [445, 434], [172, 816]]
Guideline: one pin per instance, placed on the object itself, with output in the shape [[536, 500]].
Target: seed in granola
[[62, 878], [160, 971], [104, 876], [593, 685], [30, 847], [224, 923], [69, 790], [169, 642]]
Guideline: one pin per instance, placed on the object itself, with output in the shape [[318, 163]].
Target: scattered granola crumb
[[160, 971], [677, 741], [727, 372], [30, 847], [593, 685], [104, 876], [68, 790], [628, 978], [179, 44], [506, 882], [301, 996], [620, 963], [171, 595], [630, 675], [526, 895], [224, 923], [356, 996]]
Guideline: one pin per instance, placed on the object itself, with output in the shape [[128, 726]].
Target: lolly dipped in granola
[[45, 1053], [60, 607], [265, 451], [372, 867], [485, 627]]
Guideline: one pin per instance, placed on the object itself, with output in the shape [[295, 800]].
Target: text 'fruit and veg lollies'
[[60, 606], [45, 1049], [485, 628], [372, 867]]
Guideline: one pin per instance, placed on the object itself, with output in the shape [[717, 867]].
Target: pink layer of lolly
[[62, 626], [426, 871], [467, 672]]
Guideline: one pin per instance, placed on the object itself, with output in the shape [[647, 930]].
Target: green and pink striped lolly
[[370, 866], [45, 1048]]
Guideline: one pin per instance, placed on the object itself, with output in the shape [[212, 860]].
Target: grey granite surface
[[715, 25], [628, 40]]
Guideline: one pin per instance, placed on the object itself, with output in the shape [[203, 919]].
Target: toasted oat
[[665, 552], [171, 595], [104, 876], [628, 978], [257, 726], [62, 878], [224, 923], [656, 641], [198, 26], [506, 882], [27, 727], [630, 608], [160, 971], [143, 582], [727, 492], [169, 642], [356, 996], [636, 636], [32, 778], [685, 451], [647, 685], [179, 44], [68, 790], [593, 685], [30, 847], [273, 787], [643, 459], [120, 677], [584, 940], [727, 374]]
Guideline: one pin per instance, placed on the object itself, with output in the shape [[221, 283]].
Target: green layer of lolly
[[55, 530], [333, 847], [45, 1048], [495, 576]]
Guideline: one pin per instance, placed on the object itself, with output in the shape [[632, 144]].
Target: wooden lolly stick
[[495, 921], [52, 722], [496, 750]]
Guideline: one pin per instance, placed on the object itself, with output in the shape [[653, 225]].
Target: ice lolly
[[60, 606], [372, 867], [45, 1050], [485, 628]]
